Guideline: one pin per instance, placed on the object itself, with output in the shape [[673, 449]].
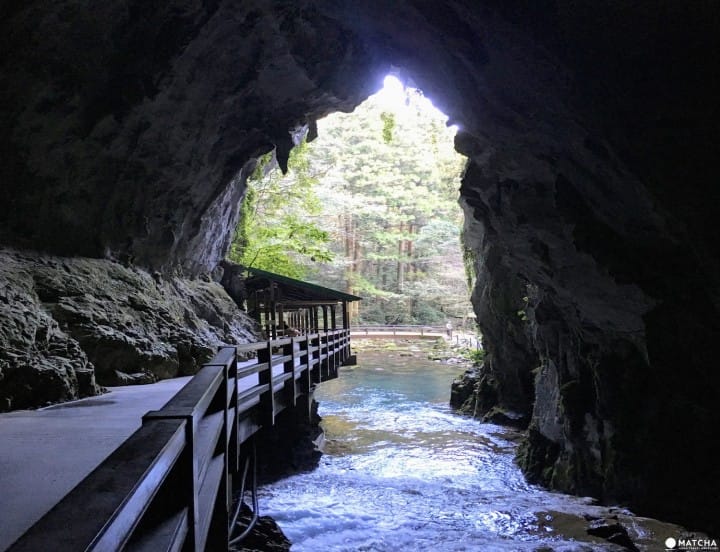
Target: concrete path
[[45, 453]]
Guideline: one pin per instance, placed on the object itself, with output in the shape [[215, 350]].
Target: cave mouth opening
[[592, 138], [369, 206]]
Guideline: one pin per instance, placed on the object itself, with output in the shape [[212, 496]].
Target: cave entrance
[[370, 207]]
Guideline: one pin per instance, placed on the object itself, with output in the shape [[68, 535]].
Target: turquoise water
[[401, 471]]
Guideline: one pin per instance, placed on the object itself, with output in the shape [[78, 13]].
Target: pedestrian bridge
[[423, 332], [456, 337], [169, 484]]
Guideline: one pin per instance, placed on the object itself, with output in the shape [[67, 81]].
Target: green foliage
[[274, 232], [388, 120], [264, 164], [477, 356], [470, 263], [395, 206], [373, 198]]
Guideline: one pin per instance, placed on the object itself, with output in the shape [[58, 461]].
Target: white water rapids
[[402, 472]]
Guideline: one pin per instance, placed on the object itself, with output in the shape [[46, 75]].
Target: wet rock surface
[[591, 195], [266, 535], [71, 325], [611, 531]]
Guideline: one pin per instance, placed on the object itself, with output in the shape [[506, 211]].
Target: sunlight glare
[[394, 97], [392, 94], [393, 84]]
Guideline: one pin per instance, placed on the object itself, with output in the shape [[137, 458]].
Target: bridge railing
[[169, 485], [396, 330]]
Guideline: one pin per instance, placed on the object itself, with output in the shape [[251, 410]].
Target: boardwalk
[[45, 453], [48, 452], [120, 461]]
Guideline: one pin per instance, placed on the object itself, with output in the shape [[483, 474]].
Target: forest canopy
[[369, 207]]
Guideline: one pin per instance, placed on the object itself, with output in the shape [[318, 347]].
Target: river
[[402, 472]]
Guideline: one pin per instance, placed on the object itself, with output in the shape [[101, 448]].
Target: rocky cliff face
[[591, 194], [159, 110], [70, 326]]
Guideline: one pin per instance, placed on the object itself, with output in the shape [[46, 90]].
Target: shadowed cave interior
[[591, 201]]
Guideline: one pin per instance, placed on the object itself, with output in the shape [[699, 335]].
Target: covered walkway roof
[[282, 304], [291, 292]]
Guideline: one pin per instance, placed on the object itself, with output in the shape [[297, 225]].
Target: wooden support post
[[267, 399], [323, 353], [273, 312], [218, 532], [305, 381], [333, 317], [190, 484], [316, 374], [289, 367], [325, 318], [333, 344], [346, 317], [273, 321], [232, 417], [347, 345]]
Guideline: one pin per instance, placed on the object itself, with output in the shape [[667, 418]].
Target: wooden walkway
[[168, 485], [47, 452]]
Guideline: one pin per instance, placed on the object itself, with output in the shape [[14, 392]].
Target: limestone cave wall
[[591, 197], [73, 325]]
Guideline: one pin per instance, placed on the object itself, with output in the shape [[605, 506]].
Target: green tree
[[377, 193], [391, 182], [278, 229]]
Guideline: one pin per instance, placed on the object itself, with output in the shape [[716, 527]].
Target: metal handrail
[[167, 487]]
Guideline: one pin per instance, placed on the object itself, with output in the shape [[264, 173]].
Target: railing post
[[316, 372], [289, 368], [232, 418], [325, 350], [190, 486], [331, 354], [333, 339], [306, 377], [219, 526], [267, 399], [348, 343]]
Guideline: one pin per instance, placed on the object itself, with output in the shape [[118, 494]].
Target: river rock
[[266, 535], [463, 389], [71, 325], [611, 531]]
